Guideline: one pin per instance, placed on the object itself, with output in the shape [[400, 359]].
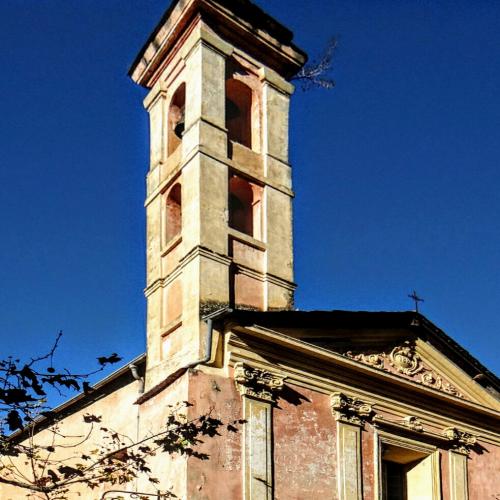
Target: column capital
[[460, 441], [257, 383], [349, 409]]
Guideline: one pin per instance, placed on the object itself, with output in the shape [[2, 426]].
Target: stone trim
[[159, 89], [452, 438], [349, 474], [351, 413], [201, 35], [409, 423], [257, 449], [458, 476], [205, 151], [413, 423], [272, 78], [324, 371]]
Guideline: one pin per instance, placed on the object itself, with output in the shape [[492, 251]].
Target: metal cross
[[416, 298]]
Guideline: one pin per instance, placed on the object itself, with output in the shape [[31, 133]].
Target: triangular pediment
[[405, 354]]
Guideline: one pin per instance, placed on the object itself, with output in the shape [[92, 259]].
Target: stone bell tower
[[219, 194]]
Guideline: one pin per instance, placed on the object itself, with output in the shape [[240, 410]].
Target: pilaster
[[258, 389], [205, 94], [458, 476], [350, 414]]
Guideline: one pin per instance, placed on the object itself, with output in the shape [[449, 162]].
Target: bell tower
[[219, 193]]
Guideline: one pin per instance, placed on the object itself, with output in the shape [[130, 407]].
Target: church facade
[[337, 404]]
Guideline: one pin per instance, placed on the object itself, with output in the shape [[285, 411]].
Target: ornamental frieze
[[460, 441], [257, 383], [349, 409], [404, 360]]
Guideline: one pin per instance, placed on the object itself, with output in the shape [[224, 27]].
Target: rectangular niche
[[172, 304], [247, 291]]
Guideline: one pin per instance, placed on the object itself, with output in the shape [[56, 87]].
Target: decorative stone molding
[[350, 410], [413, 423], [404, 360], [257, 383], [461, 441]]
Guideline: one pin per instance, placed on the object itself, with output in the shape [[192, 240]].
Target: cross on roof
[[416, 299]]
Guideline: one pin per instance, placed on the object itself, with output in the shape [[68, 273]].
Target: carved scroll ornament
[[349, 409], [257, 383], [403, 359], [375, 360]]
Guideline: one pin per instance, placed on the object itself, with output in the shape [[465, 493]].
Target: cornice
[[201, 251], [195, 252], [352, 410], [231, 24], [207, 152]]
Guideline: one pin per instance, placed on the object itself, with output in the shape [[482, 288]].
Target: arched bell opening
[[176, 113], [244, 206], [239, 112]]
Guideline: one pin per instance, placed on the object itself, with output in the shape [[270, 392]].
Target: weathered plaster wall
[[117, 411], [367, 463], [445, 474], [484, 473], [304, 445], [169, 469], [219, 477]]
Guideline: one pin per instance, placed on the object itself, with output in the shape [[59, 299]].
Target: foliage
[[38, 456]]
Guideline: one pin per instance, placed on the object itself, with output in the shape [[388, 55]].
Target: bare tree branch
[[316, 73], [49, 464]]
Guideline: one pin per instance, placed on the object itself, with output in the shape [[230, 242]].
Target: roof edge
[[378, 319], [247, 10], [82, 397]]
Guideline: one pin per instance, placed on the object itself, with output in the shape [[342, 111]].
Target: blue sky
[[395, 170]]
